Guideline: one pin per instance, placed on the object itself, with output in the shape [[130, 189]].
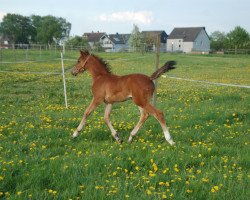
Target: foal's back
[[115, 88]]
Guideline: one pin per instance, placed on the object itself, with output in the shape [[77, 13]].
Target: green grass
[[210, 124]]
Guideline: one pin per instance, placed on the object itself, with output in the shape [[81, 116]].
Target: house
[[93, 38], [115, 42], [151, 38], [188, 39]]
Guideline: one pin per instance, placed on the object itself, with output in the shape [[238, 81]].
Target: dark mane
[[102, 61]]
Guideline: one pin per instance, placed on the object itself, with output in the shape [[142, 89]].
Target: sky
[[112, 16]]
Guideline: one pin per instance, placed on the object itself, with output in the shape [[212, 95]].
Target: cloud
[[141, 17]]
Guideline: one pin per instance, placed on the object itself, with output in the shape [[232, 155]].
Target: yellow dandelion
[[149, 192], [161, 183], [155, 167], [216, 188], [151, 174], [165, 170], [50, 191], [81, 187], [176, 169], [205, 180], [189, 191]]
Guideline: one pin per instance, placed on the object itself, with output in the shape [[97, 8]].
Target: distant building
[[151, 38], [93, 38], [115, 42], [188, 39]]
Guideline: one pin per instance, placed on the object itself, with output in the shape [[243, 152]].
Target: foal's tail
[[166, 67]]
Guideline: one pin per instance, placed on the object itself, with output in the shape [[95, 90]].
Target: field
[[209, 123]]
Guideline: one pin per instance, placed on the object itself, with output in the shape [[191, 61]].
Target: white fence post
[[64, 82]]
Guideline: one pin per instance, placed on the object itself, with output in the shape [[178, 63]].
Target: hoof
[[119, 141], [75, 134], [171, 142]]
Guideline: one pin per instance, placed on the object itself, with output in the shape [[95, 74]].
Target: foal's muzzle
[[74, 72]]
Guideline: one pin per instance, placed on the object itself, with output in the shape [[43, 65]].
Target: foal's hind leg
[[143, 118], [87, 112], [107, 121], [160, 117]]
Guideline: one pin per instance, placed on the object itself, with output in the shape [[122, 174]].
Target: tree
[[37, 22], [136, 40], [17, 28], [218, 40], [52, 30], [238, 38], [77, 41]]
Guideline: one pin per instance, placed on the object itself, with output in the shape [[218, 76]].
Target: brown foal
[[110, 88]]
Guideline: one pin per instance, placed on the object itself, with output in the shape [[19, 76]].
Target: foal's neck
[[97, 69]]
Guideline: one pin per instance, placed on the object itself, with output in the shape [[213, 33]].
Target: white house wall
[[177, 45], [174, 45], [106, 43], [187, 47]]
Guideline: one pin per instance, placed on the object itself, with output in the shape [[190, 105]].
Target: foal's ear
[[84, 52]]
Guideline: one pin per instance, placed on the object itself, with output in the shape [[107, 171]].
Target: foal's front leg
[[87, 112], [107, 121]]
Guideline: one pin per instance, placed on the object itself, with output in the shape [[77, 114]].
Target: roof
[[118, 38], [188, 34], [153, 34], [93, 37]]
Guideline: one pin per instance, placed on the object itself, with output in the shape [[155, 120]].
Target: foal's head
[[80, 66]]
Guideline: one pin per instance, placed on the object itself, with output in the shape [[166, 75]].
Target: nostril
[[73, 73]]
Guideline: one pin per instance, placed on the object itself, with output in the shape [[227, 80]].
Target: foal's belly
[[117, 97]]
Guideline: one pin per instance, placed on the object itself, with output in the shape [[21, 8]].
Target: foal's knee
[[160, 116], [145, 116], [106, 119]]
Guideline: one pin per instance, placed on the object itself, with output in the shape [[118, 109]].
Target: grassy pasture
[[209, 123]]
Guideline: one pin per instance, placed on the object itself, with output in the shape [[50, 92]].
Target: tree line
[[48, 29], [238, 38]]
